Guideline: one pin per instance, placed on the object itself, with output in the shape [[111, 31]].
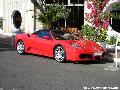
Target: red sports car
[[60, 45]]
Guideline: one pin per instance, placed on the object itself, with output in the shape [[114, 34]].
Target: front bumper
[[79, 55]]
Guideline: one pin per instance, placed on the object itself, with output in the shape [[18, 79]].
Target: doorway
[[17, 19]]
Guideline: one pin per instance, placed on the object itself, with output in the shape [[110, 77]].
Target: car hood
[[85, 44]]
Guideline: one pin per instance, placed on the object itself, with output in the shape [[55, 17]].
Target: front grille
[[97, 57], [85, 56]]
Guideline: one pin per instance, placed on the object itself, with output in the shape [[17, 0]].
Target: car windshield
[[42, 33], [60, 35]]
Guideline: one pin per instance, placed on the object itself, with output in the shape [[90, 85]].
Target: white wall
[[25, 7], [1, 13], [86, 10], [1, 8]]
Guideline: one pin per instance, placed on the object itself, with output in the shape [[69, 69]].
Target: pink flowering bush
[[97, 18]]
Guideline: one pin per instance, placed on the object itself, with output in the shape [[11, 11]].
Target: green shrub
[[91, 33], [111, 40], [102, 35], [88, 32]]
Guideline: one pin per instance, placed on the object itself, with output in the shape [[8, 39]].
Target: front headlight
[[75, 45]]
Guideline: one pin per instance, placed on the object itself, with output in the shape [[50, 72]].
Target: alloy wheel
[[20, 47], [59, 54]]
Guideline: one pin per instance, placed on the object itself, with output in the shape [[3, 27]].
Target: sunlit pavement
[[33, 72]]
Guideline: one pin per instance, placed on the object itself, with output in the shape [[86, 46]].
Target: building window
[[49, 1], [76, 16], [77, 1], [65, 2]]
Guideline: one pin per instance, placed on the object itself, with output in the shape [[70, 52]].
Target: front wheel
[[20, 48], [59, 54]]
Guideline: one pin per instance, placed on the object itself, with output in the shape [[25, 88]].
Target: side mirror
[[46, 37]]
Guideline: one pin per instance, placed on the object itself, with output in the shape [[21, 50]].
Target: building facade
[[16, 13], [21, 14], [1, 16]]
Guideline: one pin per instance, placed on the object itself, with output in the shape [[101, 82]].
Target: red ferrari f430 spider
[[60, 45]]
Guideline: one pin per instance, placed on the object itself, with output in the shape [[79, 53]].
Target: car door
[[44, 43], [29, 41]]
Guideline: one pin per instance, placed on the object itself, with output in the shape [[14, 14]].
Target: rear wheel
[[59, 54], [20, 48]]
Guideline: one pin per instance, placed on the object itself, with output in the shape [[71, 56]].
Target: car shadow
[[104, 61], [93, 62], [6, 47], [108, 58], [39, 56]]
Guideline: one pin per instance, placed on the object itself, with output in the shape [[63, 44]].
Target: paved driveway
[[33, 72]]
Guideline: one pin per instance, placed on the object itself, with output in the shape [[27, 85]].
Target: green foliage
[[111, 40], [115, 15], [52, 13], [116, 5], [102, 35], [104, 16], [88, 32], [91, 33]]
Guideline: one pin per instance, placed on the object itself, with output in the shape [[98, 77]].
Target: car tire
[[20, 47], [59, 54]]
